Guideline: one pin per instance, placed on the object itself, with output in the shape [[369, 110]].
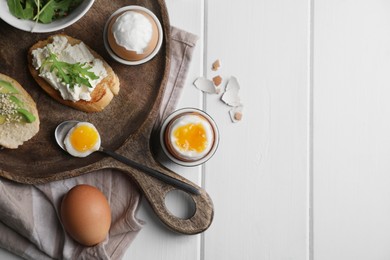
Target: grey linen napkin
[[29, 214]]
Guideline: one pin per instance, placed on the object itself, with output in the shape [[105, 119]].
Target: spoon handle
[[156, 174]]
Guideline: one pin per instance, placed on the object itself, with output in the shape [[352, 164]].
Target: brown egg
[[132, 55], [86, 215]]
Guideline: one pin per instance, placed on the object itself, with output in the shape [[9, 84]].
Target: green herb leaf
[[21, 9], [44, 11], [46, 14], [70, 74]]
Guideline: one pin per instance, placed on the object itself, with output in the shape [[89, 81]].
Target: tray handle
[[155, 192]]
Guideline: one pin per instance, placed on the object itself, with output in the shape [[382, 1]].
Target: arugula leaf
[[62, 7], [70, 74], [29, 9], [46, 14], [56, 8], [21, 9], [44, 11]]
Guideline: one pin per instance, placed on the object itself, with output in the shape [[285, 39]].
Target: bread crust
[[14, 134], [101, 95]]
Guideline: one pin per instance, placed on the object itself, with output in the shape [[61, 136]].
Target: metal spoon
[[63, 129]]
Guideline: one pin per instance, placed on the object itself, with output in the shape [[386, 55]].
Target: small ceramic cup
[[185, 119], [122, 55]]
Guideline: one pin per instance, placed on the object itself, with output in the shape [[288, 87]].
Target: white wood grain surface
[[258, 180], [351, 130], [259, 175], [305, 175]]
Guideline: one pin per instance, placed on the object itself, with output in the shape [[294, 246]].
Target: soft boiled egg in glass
[[82, 140], [189, 137]]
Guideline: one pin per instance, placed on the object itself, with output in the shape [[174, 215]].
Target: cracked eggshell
[[231, 97], [236, 114], [205, 85], [216, 65], [217, 80]]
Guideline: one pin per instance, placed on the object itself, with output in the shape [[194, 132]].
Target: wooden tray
[[125, 125]]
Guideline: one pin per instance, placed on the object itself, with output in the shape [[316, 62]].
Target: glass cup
[[189, 137]]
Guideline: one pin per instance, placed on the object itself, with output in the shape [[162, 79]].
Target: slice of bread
[[101, 95], [13, 134]]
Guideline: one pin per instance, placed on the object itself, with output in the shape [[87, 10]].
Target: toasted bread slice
[[100, 97], [13, 134]]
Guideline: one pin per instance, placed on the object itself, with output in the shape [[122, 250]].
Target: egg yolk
[[83, 138], [191, 137]]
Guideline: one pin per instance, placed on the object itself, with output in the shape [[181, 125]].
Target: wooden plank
[[155, 241], [351, 130], [259, 177]]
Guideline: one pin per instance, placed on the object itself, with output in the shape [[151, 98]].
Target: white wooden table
[[305, 175]]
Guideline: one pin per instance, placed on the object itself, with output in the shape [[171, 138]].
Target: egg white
[[192, 119], [69, 147]]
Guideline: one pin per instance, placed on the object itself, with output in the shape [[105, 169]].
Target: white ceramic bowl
[[31, 26], [147, 58]]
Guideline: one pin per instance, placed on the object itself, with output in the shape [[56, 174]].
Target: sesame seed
[[8, 109]]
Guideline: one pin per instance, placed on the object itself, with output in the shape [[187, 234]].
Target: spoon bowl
[[62, 130]]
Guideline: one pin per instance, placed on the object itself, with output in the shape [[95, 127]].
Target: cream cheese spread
[[71, 54]]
